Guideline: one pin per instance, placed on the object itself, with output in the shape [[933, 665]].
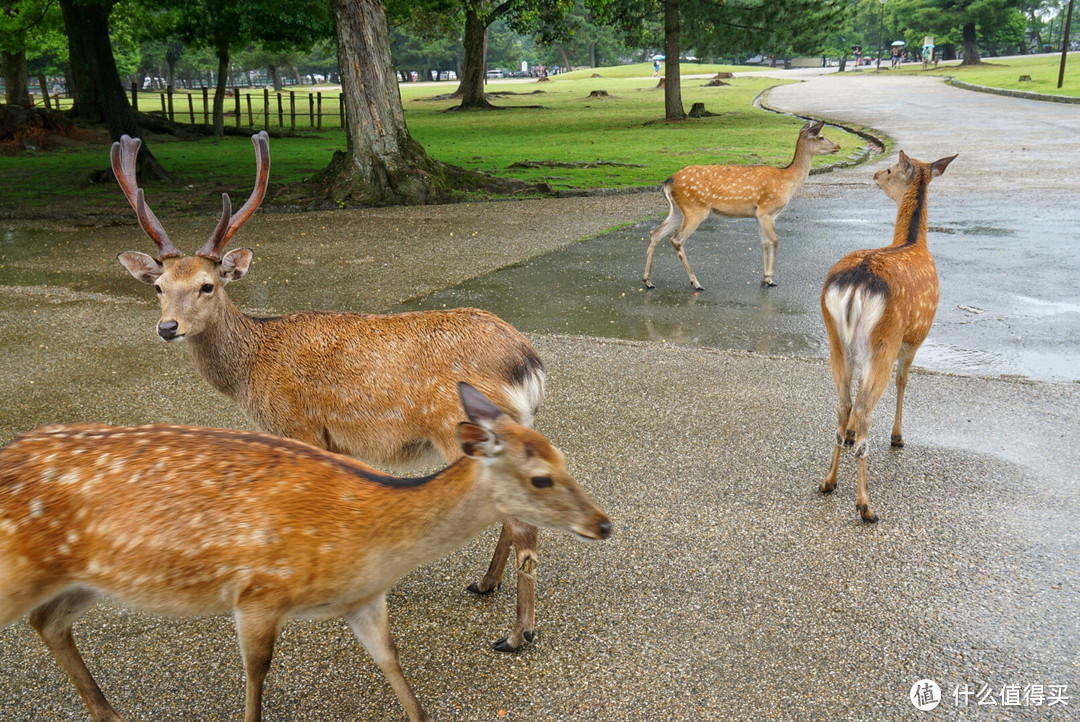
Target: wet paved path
[[730, 590]]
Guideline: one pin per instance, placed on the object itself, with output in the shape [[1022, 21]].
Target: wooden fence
[[260, 109]]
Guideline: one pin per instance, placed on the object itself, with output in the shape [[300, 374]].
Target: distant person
[[857, 50], [656, 68], [895, 57]]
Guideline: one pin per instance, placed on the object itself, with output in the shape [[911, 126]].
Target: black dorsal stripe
[[915, 222]]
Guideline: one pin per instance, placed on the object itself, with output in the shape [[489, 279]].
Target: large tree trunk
[[383, 165], [971, 45], [474, 68], [220, 89], [275, 77], [95, 82], [673, 107], [16, 79]]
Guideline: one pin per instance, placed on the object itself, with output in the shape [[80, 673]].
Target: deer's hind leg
[[673, 221], [691, 220], [903, 365], [53, 621], [842, 367]]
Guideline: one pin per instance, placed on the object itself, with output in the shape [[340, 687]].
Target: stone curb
[[1026, 95]]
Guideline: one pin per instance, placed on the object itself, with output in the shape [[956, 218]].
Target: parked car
[[497, 73]]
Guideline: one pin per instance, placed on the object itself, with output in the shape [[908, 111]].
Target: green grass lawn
[[1005, 73], [626, 128]]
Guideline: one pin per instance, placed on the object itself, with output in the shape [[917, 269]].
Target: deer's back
[[181, 520], [383, 387], [731, 190]]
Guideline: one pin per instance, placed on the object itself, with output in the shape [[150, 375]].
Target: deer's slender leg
[[256, 631], [767, 231], [670, 223], [875, 379], [524, 537], [841, 367], [371, 625], [53, 621], [903, 365], [492, 579], [691, 220]]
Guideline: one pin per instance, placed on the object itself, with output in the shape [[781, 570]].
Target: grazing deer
[[736, 191], [186, 521], [380, 387], [878, 306]]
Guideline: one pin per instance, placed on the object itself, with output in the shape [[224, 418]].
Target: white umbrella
[[898, 42]]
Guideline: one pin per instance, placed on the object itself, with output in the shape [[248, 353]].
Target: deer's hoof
[[768, 283], [849, 437], [864, 511], [475, 589], [897, 441], [827, 486], [649, 286]]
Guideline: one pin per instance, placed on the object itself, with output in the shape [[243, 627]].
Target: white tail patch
[[855, 311], [525, 398]]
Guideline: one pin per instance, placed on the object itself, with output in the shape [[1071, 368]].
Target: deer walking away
[[878, 306], [379, 387], [187, 521], [757, 191]]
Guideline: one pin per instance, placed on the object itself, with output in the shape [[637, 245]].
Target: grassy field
[[1006, 72], [625, 131]]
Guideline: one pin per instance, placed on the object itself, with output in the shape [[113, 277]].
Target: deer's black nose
[[604, 528], [167, 330]]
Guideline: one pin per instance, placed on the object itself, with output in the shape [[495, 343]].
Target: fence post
[[341, 109], [164, 107], [280, 112], [292, 110], [239, 119], [318, 97], [169, 92], [266, 106], [311, 110], [251, 123], [191, 108], [205, 106], [135, 96]]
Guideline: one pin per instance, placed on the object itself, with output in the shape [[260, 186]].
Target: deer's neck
[[910, 227], [222, 352], [796, 172], [428, 521]]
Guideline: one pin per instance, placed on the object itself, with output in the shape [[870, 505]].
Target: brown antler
[[124, 154], [229, 224]]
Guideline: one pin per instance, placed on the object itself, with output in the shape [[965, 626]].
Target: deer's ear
[[477, 406], [478, 442], [906, 166], [938, 166], [140, 265], [235, 264]]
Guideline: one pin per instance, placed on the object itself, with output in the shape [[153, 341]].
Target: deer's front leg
[[524, 537], [371, 625], [767, 231]]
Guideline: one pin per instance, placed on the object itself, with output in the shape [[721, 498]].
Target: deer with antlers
[[878, 306], [379, 387], [757, 191], [186, 521]]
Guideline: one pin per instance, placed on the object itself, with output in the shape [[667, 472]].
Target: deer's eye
[[157, 289], [542, 482], [206, 288]]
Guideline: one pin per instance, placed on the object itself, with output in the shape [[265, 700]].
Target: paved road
[[730, 590]]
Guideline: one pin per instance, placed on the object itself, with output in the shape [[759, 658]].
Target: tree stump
[[661, 84], [599, 94], [723, 76], [715, 83], [1025, 78], [697, 110]]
